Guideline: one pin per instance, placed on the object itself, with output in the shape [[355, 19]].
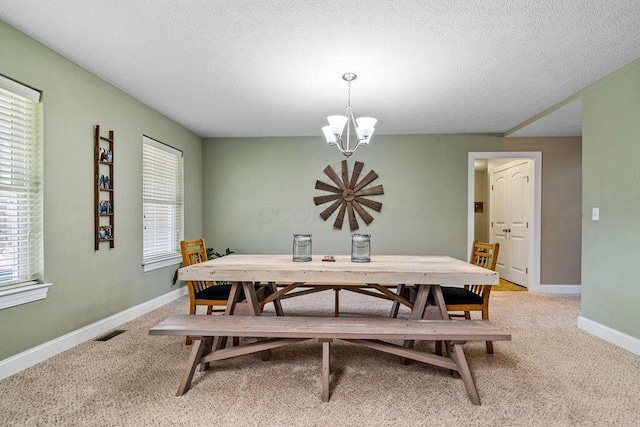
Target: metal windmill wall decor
[[349, 195]]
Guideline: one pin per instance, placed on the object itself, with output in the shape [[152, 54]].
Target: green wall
[[610, 181], [258, 192], [89, 285]]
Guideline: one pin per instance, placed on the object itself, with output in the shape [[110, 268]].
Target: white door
[[510, 219]]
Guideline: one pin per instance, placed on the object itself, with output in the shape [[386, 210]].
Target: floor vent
[[108, 336]]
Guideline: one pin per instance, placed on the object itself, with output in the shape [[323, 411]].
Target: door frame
[[534, 244]]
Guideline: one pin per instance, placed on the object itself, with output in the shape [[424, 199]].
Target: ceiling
[[565, 121], [240, 68]]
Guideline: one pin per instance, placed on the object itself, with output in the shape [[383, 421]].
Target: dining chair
[[474, 297], [202, 293], [462, 301]]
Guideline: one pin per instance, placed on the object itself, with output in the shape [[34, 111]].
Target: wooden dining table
[[381, 273], [426, 273]]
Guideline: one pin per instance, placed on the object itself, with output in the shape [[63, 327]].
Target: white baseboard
[[561, 289], [35, 355], [613, 336]]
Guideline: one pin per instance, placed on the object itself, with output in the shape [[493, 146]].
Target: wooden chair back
[[194, 252], [483, 255]]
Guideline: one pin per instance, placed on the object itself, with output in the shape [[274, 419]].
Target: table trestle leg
[[254, 309], [276, 302], [234, 296], [417, 313], [326, 370], [444, 314], [396, 305], [208, 345]]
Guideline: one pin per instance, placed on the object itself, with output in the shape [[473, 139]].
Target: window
[[162, 204], [21, 218]]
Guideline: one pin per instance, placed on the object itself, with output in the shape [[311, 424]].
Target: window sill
[[156, 264], [23, 294]]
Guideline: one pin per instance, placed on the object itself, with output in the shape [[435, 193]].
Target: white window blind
[[21, 218], [162, 207]]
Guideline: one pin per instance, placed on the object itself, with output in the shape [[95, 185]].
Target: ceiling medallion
[[349, 195]]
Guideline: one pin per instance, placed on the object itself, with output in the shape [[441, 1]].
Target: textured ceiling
[[273, 68], [565, 121]]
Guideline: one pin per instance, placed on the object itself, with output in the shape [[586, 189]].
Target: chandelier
[[363, 126]]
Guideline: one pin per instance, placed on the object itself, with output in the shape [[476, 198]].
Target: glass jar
[[361, 248], [302, 247]]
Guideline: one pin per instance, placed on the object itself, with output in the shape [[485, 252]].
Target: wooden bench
[[277, 331]]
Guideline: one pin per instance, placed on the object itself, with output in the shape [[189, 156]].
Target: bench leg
[[326, 371], [192, 363], [457, 354], [336, 309]]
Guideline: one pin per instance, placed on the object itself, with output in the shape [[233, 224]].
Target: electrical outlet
[[595, 214]]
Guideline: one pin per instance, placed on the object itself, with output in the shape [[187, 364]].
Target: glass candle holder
[[302, 247], [361, 248]]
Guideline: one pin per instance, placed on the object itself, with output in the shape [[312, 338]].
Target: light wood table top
[[391, 269]]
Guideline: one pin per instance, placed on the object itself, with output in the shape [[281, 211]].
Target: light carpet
[[551, 374]]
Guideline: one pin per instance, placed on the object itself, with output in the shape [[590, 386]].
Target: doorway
[[521, 240]]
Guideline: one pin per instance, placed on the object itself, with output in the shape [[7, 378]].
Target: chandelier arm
[[343, 150], [339, 144], [355, 148], [349, 115], [355, 127]]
